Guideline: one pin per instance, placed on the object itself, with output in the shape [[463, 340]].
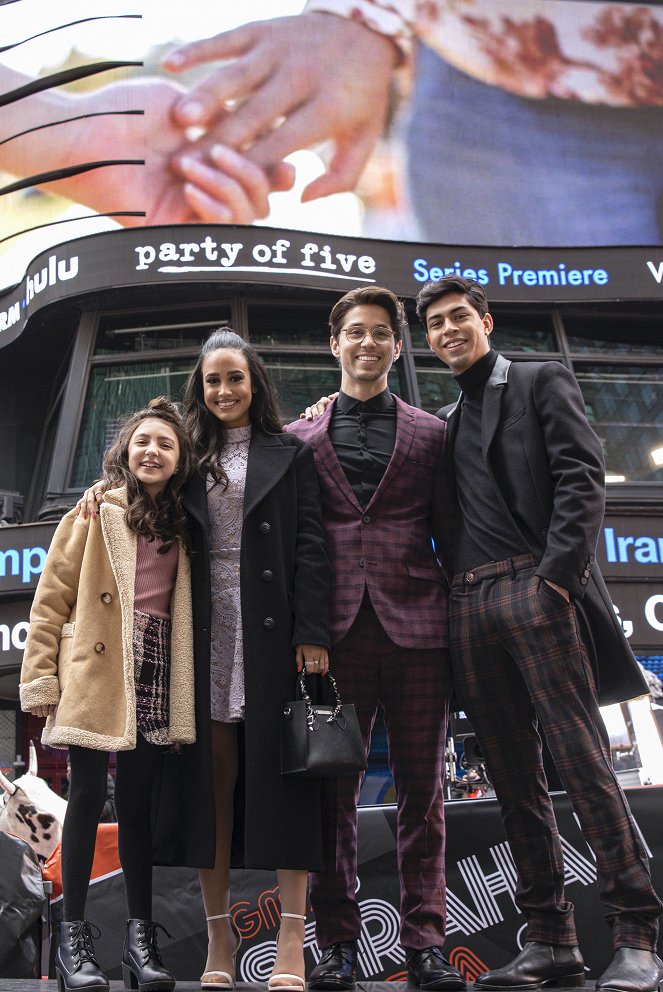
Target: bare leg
[[290, 948], [215, 882]]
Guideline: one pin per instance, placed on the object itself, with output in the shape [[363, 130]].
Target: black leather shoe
[[538, 965], [337, 968], [75, 966], [428, 969], [142, 967], [632, 970]]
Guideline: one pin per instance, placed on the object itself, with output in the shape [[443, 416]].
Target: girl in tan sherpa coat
[[102, 665]]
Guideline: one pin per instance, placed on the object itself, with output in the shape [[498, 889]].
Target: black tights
[[136, 772]]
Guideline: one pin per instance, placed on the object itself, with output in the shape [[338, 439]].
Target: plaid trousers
[[520, 659], [414, 687]]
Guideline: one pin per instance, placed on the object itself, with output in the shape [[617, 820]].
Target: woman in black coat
[[260, 581]]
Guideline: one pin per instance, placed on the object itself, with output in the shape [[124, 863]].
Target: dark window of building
[[158, 330], [606, 333], [115, 391], [625, 407]]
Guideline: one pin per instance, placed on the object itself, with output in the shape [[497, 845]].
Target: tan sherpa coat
[[79, 651]]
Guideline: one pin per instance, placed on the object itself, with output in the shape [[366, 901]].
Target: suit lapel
[[269, 460], [327, 463]]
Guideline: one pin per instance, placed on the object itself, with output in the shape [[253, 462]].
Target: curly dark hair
[[164, 517], [207, 431]]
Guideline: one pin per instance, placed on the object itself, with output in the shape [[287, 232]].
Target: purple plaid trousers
[[414, 687], [520, 658]]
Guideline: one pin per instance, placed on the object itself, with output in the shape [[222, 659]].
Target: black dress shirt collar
[[382, 403]]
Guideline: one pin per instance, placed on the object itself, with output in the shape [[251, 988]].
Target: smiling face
[[227, 387], [456, 332], [153, 454], [365, 363]]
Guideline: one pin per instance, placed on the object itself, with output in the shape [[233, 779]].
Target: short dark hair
[[376, 296], [207, 432], [473, 292]]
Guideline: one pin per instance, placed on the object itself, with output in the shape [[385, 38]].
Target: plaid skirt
[[151, 642]]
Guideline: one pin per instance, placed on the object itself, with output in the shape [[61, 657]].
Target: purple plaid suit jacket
[[386, 547]]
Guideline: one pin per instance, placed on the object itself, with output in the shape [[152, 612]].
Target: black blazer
[[284, 582], [547, 466]]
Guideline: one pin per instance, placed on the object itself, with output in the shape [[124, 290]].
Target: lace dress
[[225, 506]]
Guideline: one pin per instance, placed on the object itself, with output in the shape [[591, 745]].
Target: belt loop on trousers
[[512, 567]]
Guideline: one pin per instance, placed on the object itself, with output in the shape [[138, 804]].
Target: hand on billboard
[[296, 81], [84, 130], [226, 189]]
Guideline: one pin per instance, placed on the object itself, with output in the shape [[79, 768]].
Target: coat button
[[361, 562], [264, 527], [106, 597], [99, 647], [366, 519], [269, 623], [583, 580], [267, 575], [587, 573], [469, 577]]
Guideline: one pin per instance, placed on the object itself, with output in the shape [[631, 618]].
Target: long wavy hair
[[163, 517], [207, 431]]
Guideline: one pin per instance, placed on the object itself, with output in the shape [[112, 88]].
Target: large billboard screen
[[464, 122]]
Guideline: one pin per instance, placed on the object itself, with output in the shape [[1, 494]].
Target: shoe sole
[[63, 987], [326, 985], [616, 988], [450, 984], [565, 982], [131, 982]]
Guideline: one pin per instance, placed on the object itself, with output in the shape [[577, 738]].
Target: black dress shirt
[[486, 533], [363, 436]]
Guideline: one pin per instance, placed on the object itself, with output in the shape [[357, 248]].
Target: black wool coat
[[284, 581], [548, 469]]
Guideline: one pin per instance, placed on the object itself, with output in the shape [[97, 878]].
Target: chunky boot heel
[[142, 967], [128, 977], [76, 969]]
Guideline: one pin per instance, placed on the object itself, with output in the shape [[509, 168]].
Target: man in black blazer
[[535, 641]]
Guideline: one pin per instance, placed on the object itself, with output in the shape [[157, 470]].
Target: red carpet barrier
[[484, 927]]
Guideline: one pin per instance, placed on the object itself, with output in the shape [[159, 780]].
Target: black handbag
[[320, 741]]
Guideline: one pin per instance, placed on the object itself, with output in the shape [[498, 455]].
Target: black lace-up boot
[[142, 967], [75, 965]]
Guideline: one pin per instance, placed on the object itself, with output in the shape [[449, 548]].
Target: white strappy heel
[[221, 981], [300, 981]]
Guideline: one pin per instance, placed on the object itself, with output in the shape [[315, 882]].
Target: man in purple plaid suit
[[379, 463], [535, 641]]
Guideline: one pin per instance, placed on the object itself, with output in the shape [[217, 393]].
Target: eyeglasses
[[380, 334]]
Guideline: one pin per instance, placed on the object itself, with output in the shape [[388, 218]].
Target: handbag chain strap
[[310, 712]]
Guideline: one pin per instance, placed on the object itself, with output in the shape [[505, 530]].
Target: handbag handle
[[310, 714]]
